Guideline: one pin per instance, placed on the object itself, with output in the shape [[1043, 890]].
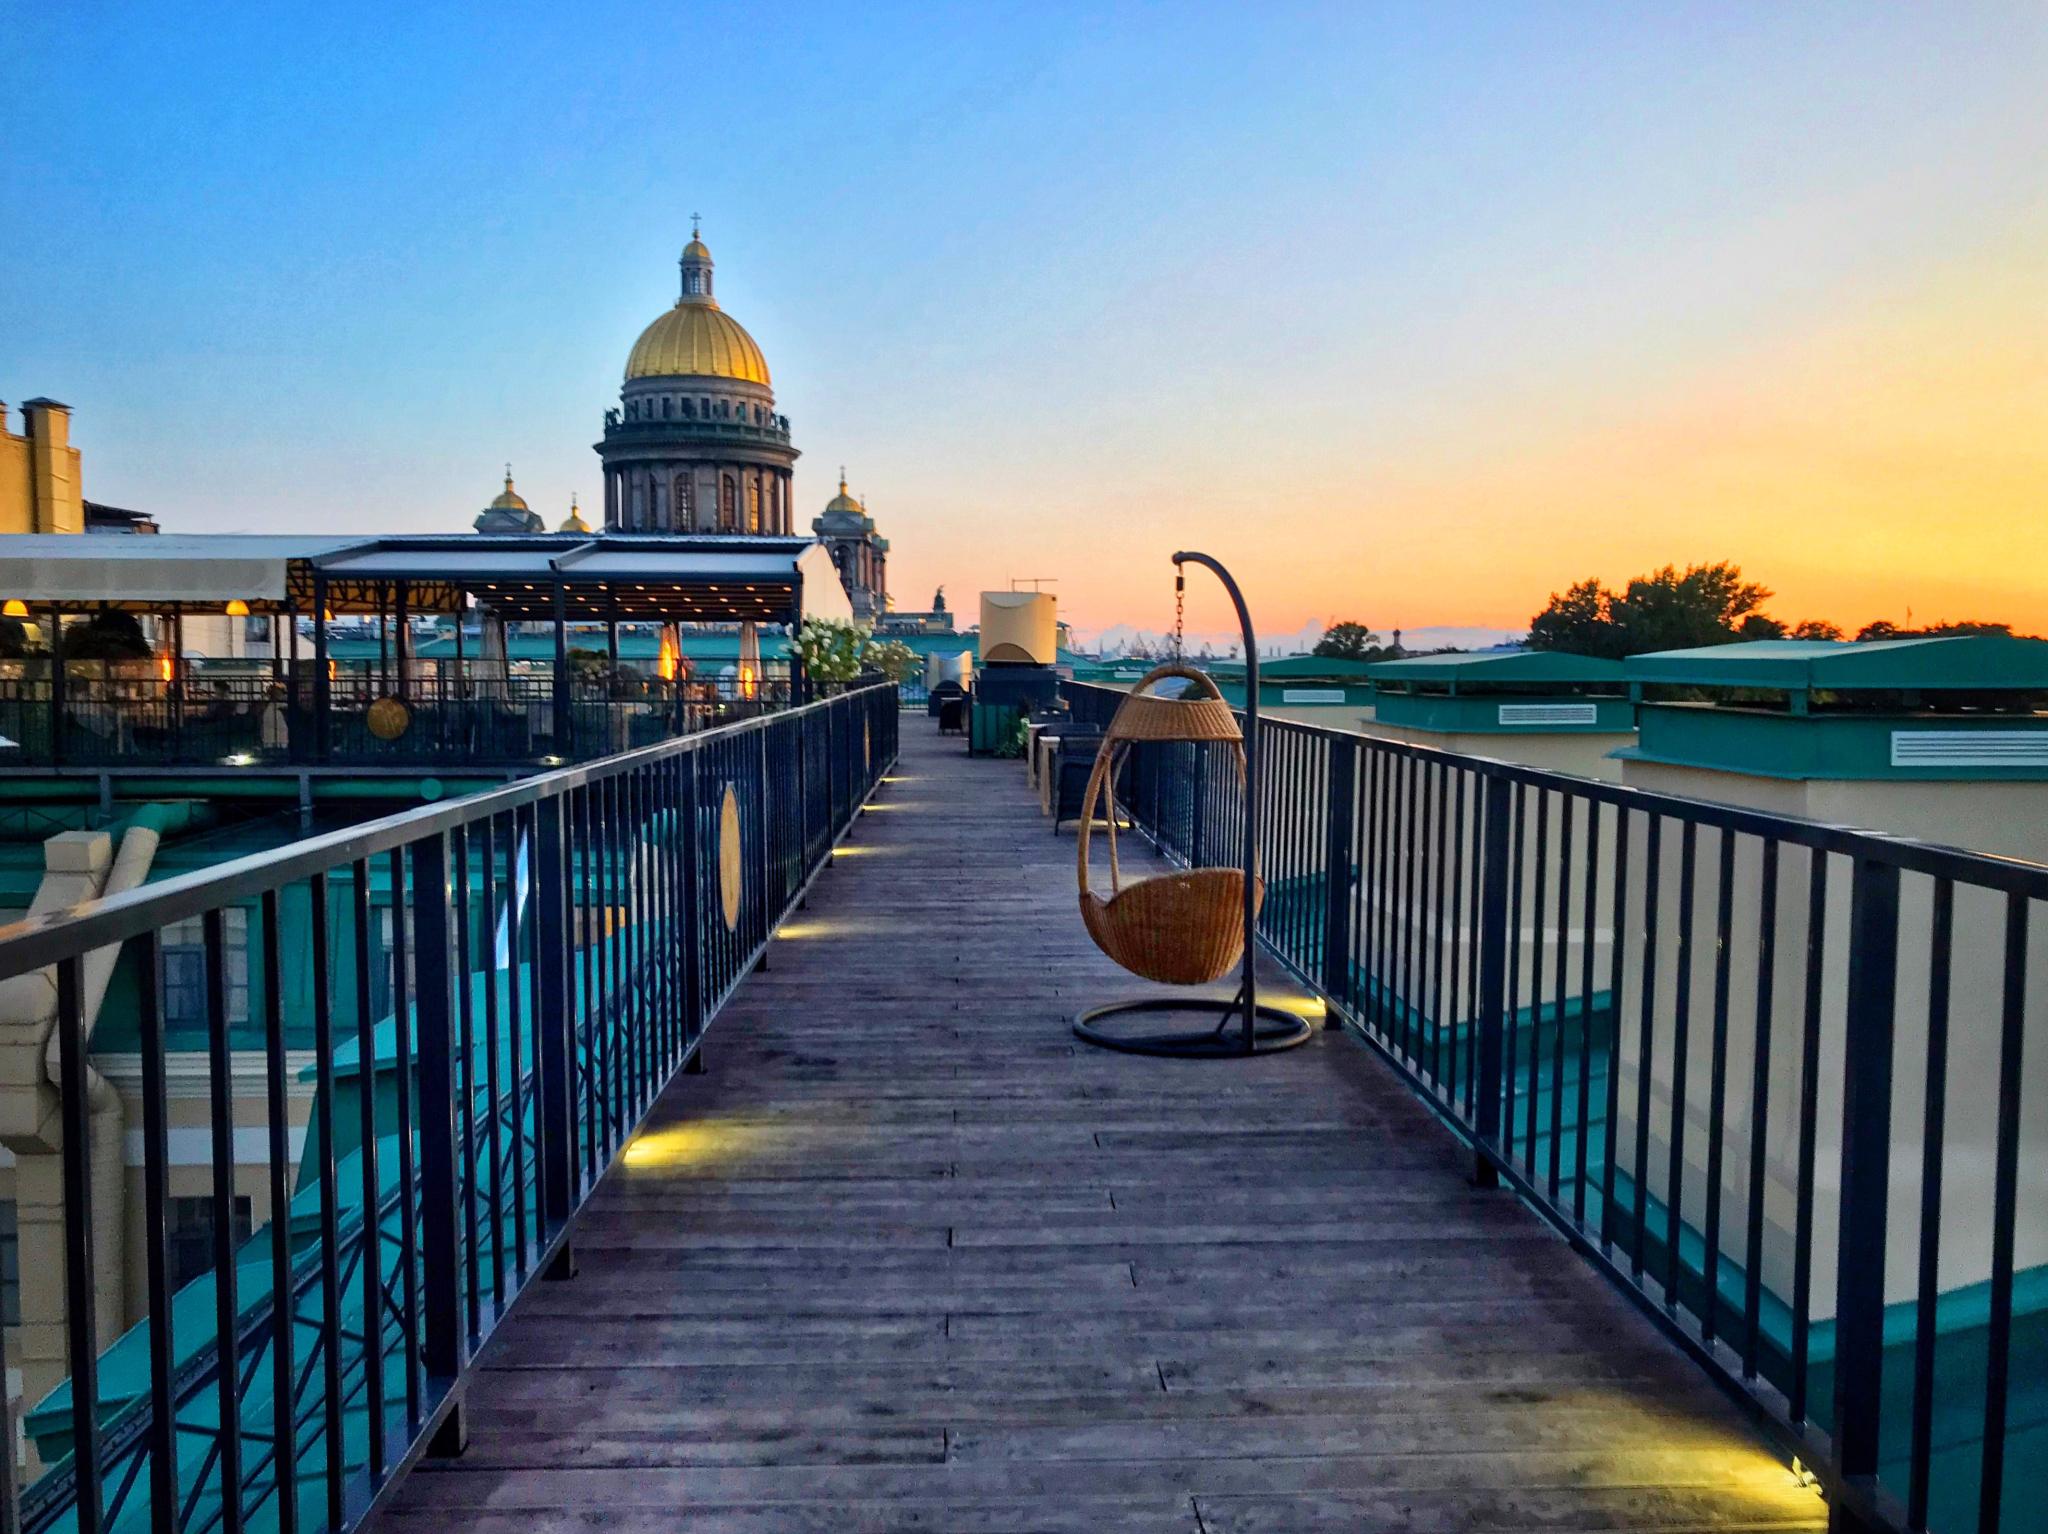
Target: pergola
[[559, 579]]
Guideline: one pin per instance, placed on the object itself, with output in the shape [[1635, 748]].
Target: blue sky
[[1351, 293]]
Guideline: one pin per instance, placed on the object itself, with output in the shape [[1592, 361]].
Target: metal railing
[[451, 717], [1782, 1081], [559, 947]]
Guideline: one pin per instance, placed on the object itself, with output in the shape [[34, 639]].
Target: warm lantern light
[[164, 665], [237, 608], [15, 608], [666, 665]]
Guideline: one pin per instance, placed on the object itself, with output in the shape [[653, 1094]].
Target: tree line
[[1668, 609]]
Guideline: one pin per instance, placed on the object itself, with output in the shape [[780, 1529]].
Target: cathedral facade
[[695, 444]]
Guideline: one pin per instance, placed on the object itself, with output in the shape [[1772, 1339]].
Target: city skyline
[[1411, 316]]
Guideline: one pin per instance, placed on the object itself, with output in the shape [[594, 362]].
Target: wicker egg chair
[[1181, 928]]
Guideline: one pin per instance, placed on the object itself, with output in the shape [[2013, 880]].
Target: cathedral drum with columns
[[695, 444]]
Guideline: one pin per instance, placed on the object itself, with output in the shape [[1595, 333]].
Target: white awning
[[164, 568]]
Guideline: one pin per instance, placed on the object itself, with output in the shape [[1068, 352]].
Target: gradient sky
[[1410, 313]]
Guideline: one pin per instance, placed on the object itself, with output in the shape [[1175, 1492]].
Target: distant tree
[[1967, 628], [1580, 621], [1348, 641], [1665, 610], [1813, 628]]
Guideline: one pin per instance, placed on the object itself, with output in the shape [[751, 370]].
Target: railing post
[[693, 919], [554, 1050], [1338, 834], [434, 1038], [1494, 938], [1866, 1176]]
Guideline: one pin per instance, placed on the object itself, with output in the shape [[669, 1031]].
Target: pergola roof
[[1983, 662], [699, 577]]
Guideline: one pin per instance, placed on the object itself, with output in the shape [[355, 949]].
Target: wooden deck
[[909, 1258]]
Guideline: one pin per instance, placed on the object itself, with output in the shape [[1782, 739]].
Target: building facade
[[39, 480], [860, 556], [695, 444]]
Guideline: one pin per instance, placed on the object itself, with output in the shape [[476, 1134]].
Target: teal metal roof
[[1523, 668], [1975, 663]]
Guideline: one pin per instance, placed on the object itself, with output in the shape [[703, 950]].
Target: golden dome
[[696, 250], [510, 499], [701, 340], [844, 502], [573, 523]]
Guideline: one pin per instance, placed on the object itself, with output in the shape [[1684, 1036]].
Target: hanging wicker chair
[[1182, 928]]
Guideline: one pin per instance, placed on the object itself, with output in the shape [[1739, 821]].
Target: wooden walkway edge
[[911, 1258]]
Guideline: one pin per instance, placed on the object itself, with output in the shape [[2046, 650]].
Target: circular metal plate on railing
[[729, 859]]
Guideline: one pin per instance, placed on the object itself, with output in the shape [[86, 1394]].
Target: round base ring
[[1275, 1030]]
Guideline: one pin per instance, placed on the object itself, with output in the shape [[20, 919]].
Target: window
[[684, 502], [183, 956], [668, 407], [10, 1266], [632, 410], [689, 410], [754, 506], [189, 1229], [728, 504]]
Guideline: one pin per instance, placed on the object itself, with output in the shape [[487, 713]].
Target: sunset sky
[[1410, 313]]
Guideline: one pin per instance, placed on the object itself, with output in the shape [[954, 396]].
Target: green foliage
[[831, 648], [1352, 641], [1968, 628], [1813, 628], [1665, 610], [1011, 746], [893, 658]]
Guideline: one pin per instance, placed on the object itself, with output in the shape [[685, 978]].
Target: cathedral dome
[[696, 338], [573, 523], [508, 499]]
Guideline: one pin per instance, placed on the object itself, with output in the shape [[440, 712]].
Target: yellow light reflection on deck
[[694, 1144], [1311, 1007]]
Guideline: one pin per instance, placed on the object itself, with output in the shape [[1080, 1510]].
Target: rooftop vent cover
[[1549, 714], [1970, 748]]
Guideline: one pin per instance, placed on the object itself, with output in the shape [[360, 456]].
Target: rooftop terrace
[[1645, 1144]]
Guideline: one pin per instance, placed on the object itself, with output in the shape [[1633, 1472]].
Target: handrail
[[1679, 1029]]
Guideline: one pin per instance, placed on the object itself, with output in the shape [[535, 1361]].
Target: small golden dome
[[696, 250], [510, 499], [843, 501], [573, 523], [697, 339]]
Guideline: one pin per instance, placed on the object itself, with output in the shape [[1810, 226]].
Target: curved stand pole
[[1282, 1030]]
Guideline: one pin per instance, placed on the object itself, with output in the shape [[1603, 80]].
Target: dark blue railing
[[559, 947], [1774, 1078]]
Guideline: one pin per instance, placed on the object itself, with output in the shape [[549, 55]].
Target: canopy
[[150, 573]]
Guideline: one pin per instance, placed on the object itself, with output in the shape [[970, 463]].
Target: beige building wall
[[2004, 818]]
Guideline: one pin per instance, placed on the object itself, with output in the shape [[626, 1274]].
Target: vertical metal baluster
[[1377, 968], [1482, 799], [1536, 894], [283, 1299], [1717, 1092], [408, 1180], [1581, 1170], [1494, 937], [1617, 960], [227, 1310], [554, 1027], [1438, 1025], [442, 1313], [1511, 1008], [1681, 1057], [1564, 947], [583, 950], [487, 859], [372, 1260], [690, 792], [516, 1012], [1425, 879], [1405, 828], [330, 1205], [1448, 1016], [1933, 1135], [468, 1164], [156, 1160], [1646, 1036], [81, 1328], [1759, 1108], [600, 947], [2012, 1033], [1809, 1108]]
